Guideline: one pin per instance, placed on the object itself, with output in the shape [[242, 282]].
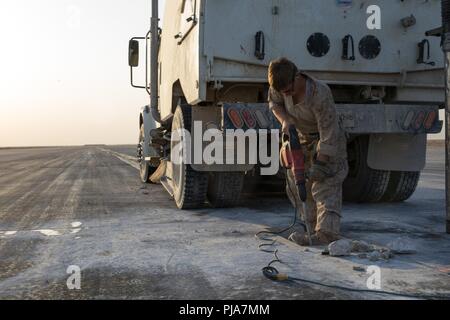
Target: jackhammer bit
[[293, 158]]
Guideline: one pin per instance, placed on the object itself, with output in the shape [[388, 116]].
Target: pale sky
[[64, 75]]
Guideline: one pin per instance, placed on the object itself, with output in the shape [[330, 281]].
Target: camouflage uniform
[[319, 131]]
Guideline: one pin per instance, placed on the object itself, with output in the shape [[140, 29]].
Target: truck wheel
[[224, 188], [402, 185], [145, 169], [363, 184], [189, 186]]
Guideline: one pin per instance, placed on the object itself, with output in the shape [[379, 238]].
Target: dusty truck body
[[382, 60]]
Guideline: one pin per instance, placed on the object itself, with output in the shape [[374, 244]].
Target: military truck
[[381, 58]]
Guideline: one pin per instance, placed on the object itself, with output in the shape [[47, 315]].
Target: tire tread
[[402, 186], [196, 183], [225, 189]]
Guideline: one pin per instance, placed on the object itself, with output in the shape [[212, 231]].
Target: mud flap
[[397, 152]]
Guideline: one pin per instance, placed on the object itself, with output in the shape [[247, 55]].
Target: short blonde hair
[[282, 72]]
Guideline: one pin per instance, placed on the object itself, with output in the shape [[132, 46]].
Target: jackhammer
[[293, 159]]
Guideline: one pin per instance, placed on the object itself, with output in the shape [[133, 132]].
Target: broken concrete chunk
[[359, 269], [380, 254], [361, 247], [374, 256], [402, 246], [340, 248], [386, 255]]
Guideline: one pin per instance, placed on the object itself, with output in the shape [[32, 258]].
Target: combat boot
[[317, 239]]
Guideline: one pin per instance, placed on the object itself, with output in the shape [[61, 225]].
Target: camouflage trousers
[[324, 199]]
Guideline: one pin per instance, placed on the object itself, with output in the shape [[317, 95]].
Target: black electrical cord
[[275, 233], [270, 242], [290, 226], [273, 274]]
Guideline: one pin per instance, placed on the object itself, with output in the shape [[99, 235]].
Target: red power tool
[[292, 158]]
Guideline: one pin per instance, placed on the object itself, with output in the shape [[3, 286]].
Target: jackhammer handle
[[293, 137], [295, 144]]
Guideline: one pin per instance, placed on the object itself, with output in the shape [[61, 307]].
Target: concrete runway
[[85, 206]]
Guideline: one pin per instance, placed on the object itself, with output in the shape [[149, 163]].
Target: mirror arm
[[146, 87], [147, 37], [131, 77]]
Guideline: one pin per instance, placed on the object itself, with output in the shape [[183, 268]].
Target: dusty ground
[[86, 207]]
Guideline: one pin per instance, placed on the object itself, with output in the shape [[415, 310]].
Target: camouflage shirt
[[316, 114]]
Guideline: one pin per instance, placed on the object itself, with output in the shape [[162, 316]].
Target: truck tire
[[224, 188], [145, 170], [402, 185], [189, 186], [363, 184]]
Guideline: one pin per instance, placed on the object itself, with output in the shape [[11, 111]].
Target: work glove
[[319, 171]]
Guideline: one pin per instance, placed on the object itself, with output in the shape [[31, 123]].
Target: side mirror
[[133, 53]]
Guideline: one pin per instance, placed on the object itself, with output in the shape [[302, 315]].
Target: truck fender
[[150, 124]]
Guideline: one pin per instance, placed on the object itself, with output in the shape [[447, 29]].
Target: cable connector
[[273, 274]]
